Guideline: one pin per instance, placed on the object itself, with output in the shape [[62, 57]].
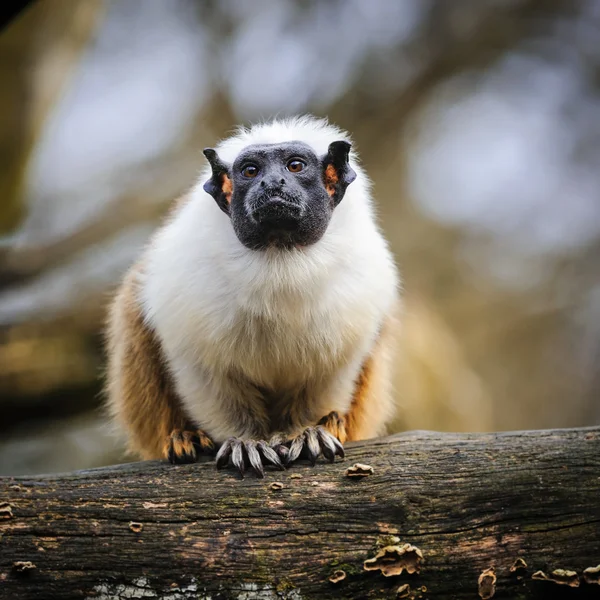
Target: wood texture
[[472, 504]]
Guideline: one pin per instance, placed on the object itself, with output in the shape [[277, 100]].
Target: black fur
[[214, 186], [337, 156], [278, 207]]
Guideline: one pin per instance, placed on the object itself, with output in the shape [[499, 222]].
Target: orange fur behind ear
[[331, 179], [140, 393], [227, 187], [373, 404]]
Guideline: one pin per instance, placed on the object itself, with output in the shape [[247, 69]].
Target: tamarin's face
[[280, 194]]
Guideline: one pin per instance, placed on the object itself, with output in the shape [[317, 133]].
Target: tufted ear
[[337, 172], [219, 186]]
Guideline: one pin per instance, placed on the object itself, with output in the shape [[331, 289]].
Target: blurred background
[[478, 121]]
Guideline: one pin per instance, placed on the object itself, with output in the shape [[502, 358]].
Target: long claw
[[277, 443], [327, 445], [312, 444], [237, 456], [295, 449], [270, 455], [257, 454], [254, 457], [224, 453], [339, 449]]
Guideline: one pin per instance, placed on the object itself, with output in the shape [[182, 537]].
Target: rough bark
[[469, 503]]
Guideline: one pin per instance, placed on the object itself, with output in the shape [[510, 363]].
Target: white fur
[[294, 322]]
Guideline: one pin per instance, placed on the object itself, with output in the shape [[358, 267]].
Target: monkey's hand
[[251, 453], [336, 425], [313, 442], [186, 446]]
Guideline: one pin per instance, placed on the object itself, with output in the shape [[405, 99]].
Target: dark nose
[[272, 181], [276, 213]]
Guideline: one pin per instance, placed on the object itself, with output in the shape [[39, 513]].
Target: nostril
[[262, 184], [282, 181]]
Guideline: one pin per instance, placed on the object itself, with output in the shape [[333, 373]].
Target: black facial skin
[[280, 195]]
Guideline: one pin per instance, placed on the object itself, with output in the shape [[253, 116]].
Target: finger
[[254, 458], [339, 449], [181, 449], [327, 446], [188, 445], [312, 444], [270, 455], [224, 453], [171, 453], [283, 452], [332, 416], [237, 456], [295, 449], [277, 440], [203, 443]]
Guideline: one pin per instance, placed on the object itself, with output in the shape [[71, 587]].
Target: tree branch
[[487, 512]]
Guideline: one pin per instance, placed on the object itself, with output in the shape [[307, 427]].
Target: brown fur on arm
[[372, 404], [141, 395]]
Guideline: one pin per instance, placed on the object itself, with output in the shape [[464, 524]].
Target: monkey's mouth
[[278, 213], [279, 221]]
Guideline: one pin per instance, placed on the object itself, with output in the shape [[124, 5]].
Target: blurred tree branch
[[38, 52], [450, 49]]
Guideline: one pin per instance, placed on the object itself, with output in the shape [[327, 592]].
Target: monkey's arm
[[141, 395], [372, 403]]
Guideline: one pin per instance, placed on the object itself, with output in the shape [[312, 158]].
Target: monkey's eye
[[295, 165], [250, 171]]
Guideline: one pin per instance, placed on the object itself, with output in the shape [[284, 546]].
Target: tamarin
[[261, 319]]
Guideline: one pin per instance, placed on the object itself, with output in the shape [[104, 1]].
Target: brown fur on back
[[141, 396]]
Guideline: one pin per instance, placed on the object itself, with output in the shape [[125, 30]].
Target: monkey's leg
[[141, 394], [371, 408]]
